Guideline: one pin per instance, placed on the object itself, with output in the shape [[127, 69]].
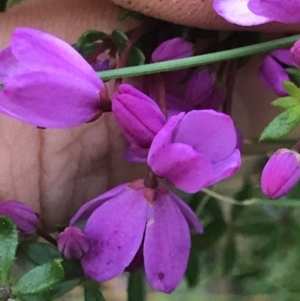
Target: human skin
[[56, 171]]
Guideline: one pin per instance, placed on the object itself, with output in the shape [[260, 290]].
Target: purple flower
[[46, 82], [139, 117], [272, 71], [201, 92], [172, 49], [21, 214], [281, 173], [132, 216], [73, 243], [195, 150], [255, 12], [104, 62], [295, 54]]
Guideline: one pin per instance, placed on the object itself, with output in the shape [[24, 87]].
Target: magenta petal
[[116, 231], [283, 56], [88, 208], [164, 135], [237, 12], [50, 99], [188, 213], [199, 87], [139, 120], [226, 167], [286, 11], [182, 166], [8, 64], [167, 245], [38, 50], [210, 133], [272, 74]]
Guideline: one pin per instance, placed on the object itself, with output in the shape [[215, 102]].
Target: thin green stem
[[199, 60], [253, 201]]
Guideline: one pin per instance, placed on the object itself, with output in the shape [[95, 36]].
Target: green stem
[[253, 201], [199, 60]]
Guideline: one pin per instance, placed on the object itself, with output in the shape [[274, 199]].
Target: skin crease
[[55, 171]]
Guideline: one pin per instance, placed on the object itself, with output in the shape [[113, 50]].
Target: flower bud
[[176, 48], [295, 53], [138, 115], [21, 214], [73, 243], [281, 173], [104, 62]]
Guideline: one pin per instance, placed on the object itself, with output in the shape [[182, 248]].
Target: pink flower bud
[[73, 243], [21, 214], [138, 115], [295, 53], [281, 173], [176, 48]]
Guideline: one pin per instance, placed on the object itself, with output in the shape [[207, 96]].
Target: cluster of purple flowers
[[142, 223]]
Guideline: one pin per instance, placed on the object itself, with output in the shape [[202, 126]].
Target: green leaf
[[136, 56], [90, 36], [39, 278], [56, 291], [278, 128], [213, 231], [192, 273], [92, 291], [286, 102], [292, 89], [294, 115], [8, 247], [38, 252], [229, 254], [257, 229], [137, 286], [72, 269], [294, 74], [1, 86]]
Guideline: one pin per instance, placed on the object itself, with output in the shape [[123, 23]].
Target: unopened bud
[[104, 62], [172, 49], [295, 53], [73, 243], [139, 117], [281, 173], [21, 214]]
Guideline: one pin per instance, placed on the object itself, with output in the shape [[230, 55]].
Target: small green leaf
[[137, 286], [136, 56], [292, 89], [192, 273], [257, 229], [56, 291], [72, 269], [294, 74], [38, 252], [286, 102], [8, 247], [278, 128], [91, 36], [92, 291], [1, 86], [39, 278], [294, 115], [229, 254]]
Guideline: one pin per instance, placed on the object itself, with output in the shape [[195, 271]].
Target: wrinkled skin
[[56, 171]]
